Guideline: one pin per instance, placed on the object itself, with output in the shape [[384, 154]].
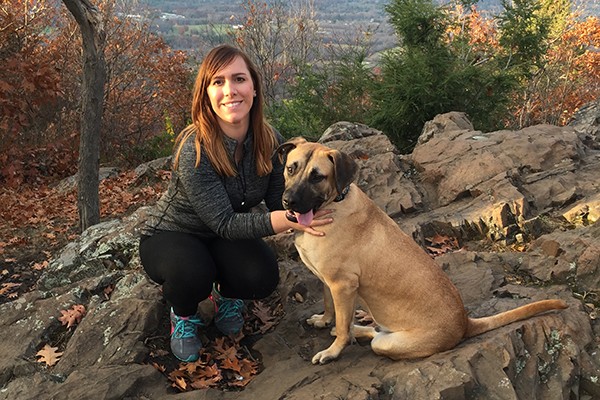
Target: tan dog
[[365, 254]]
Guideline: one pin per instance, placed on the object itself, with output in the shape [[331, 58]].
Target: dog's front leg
[[344, 294], [325, 319]]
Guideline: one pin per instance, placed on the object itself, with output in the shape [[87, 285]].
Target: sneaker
[[228, 313], [185, 343]]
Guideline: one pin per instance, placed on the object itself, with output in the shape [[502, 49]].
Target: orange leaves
[[8, 289], [72, 316], [441, 244], [49, 355], [38, 219], [223, 363]]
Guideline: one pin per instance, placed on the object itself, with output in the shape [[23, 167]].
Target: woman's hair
[[205, 126]]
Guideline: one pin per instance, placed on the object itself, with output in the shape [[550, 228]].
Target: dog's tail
[[478, 326]]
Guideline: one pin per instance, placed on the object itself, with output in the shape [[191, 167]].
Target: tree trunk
[[90, 23]]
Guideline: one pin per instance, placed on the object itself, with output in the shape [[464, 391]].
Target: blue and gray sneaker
[[228, 316], [185, 343]]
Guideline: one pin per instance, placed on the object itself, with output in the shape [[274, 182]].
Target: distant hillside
[[183, 22], [326, 9], [589, 7]]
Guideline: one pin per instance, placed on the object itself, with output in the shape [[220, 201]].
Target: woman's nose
[[229, 89]]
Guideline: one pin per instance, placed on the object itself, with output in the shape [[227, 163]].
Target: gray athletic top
[[202, 202]]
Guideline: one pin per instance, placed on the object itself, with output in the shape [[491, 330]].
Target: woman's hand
[[320, 218], [281, 222]]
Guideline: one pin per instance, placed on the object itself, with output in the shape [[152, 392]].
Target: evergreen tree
[[426, 76]]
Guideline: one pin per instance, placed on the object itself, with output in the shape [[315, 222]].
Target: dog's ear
[[344, 168], [288, 146]]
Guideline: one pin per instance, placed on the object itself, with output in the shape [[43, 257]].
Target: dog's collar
[[342, 195]]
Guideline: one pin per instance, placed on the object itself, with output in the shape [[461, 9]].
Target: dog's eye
[[316, 177], [290, 169]]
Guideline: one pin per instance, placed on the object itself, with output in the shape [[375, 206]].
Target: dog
[[365, 255]]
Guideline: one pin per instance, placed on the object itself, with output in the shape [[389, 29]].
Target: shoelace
[[230, 308], [186, 327]]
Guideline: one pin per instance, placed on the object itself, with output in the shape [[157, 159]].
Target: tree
[[336, 88], [429, 74], [278, 38], [94, 76]]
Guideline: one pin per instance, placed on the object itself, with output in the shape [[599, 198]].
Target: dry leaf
[[8, 287], [179, 383], [72, 316], [160, 368], [231, 364], [265, 315], [441, 244], [49, 355], [40, 266]]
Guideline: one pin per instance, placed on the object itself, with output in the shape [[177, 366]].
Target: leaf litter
[[226, 362]]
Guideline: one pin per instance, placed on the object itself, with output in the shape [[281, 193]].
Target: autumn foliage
[[564, 78], [147, 90]]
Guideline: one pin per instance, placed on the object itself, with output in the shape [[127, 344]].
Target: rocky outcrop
[[536, 187]]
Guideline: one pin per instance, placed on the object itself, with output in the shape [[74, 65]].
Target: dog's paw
[[318, 321], [323, 357]]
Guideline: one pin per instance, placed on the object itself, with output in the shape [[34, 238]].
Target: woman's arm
[[281, 223]]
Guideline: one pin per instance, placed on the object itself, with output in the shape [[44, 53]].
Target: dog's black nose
[[288, 203]]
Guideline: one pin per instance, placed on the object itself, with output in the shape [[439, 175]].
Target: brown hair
[[205, 126]]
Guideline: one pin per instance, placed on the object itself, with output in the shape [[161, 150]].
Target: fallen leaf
[[72, 316], [227, 352], [8, 287], [159, 367], [49, 355], [40, 266], [179, 383], [231, 364]]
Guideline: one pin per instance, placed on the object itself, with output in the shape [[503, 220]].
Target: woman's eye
[[217, 82]]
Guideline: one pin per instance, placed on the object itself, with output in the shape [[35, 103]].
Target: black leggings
[[186, 266]]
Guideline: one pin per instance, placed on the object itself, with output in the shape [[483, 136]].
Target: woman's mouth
[[233, 104]]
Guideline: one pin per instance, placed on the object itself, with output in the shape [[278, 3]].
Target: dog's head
[[314, 176]]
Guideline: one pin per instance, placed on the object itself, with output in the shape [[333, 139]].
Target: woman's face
[[231, 94]]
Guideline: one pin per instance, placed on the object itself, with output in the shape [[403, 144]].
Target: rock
[[347, 131], [383, 174], [586, 121], [567, 256], [444, 123], [585, 211], [70, 183]]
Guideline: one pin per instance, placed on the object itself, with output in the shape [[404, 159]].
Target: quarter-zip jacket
[[200, 201]]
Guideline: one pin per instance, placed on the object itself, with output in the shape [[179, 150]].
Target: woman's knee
[[179, 259], [252, 273]]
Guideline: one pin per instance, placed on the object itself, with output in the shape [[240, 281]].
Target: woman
[[201, 240]]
